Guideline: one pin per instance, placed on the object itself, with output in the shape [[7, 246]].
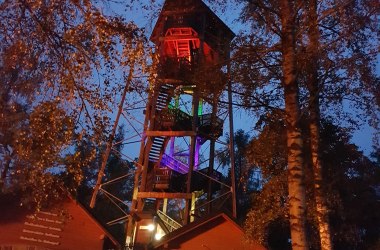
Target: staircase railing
[[174, 164], [170, 223], [162, 102]]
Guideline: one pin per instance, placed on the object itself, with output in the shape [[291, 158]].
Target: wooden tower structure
[[193, 46]]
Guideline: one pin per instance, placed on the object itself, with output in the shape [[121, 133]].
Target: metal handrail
[[169, 222], [174, 164]]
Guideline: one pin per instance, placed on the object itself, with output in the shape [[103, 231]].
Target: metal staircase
[[174, 164], [162, 102], [157, 148], [163, 97], [170, 224]]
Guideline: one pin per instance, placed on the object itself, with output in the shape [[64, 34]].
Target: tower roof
[[194, 8]]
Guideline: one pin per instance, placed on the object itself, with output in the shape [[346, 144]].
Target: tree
[[347, 56], [350, 181], [324, 65], [273, 18], [312, 78], [243, 172], [332, 41], [267, 151], [62, 63], [117, 185], [296, 186], [36, 146]]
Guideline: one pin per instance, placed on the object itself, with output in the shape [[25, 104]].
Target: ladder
[[183, 49]]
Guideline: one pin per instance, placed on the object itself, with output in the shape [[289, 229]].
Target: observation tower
[[176, 180]]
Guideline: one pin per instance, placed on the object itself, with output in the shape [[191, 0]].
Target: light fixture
[[150, 227], [158, 236]]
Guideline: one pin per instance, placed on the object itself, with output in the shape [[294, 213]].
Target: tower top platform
[[195, 14]]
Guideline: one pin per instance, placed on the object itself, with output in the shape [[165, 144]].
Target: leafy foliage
[[245, 179], [325, 53], [346, 59], [63, 65], [350, 181]]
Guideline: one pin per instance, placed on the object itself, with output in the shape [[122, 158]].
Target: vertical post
[[195, 109], [232, 143], [193, 200], [149, 142], [172, 139], [212, 153], [144, 173], [209, 173], [192, 153], [198, 139], [172, 146], [165, 206], [130, 233], [197, 149], [131, 224]]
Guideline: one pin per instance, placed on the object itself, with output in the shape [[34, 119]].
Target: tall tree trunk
[[296, 185], [111, 138], [314, 111]]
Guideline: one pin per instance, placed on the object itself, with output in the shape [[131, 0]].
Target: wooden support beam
[[163, 195], [178, 38], [170, 81], [170, 133]]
